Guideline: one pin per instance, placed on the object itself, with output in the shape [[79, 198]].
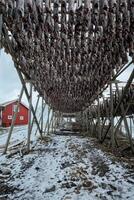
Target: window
[[9, 117], [14, 108], [21, 117]]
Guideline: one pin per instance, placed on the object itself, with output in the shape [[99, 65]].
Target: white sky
[[10, 84]]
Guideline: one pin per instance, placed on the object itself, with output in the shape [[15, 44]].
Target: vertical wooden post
[[42, 112], [87, 121], [48, 120], [53, 122], [129, 135], [92, 126], [40, 119], [130, 118], [83, 121], [111, 116], [99, 125], [1, 22], [29, 118], [13, 120], [62, 117], [47, 123]]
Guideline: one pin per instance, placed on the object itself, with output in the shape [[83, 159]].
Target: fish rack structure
[[104, 118], [69, 50]]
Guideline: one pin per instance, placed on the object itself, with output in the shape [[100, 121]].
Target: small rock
[[87, 184], [51, 189], [6, 171], [37, 168], [68, 185], [112, 187], [65, 179], [59, 181], [73, 184], [4, 164], [67, 198], [73, 178], [109, 192]]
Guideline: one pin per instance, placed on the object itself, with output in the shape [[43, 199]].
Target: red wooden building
[[7, 110]]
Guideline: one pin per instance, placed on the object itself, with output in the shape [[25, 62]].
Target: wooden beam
[[13, 120], [29, 118], [28, 97], [35, 111], [112, 117]]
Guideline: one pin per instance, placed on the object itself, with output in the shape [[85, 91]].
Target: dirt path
[[67, 168]]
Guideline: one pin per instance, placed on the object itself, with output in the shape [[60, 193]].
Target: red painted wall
[[8, 111]]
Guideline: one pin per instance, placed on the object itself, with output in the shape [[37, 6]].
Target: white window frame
[[9, 117], [22, 118]]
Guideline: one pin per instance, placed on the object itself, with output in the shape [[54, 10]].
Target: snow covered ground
[[65, 168]]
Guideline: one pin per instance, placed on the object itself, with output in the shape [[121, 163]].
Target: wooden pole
[[99, 126], [27, 95], [54, 120], [112, 117], [13, 121], [40, 119], [29, 118], [1, 23], [83, 122], [35, 111], [42, 112], [48, 121], [87, 121], [125, 122], [120, 101], [51, 123], [130, 125]]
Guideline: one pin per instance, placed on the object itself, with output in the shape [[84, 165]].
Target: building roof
[[12, 101]]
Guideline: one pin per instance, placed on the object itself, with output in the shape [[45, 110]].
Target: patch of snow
[[63, 170]]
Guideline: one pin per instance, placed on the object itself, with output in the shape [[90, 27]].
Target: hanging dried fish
[[73, 47]]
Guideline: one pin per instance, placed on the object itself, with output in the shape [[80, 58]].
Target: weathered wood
[[27, 95], [1, 24], [36, 107], [124, 118], [29, 118], [40, 119], [112, 117], [98, 118], [13, 121], [42, 112]]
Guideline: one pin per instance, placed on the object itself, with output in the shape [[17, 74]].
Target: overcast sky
[[10, 85]]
